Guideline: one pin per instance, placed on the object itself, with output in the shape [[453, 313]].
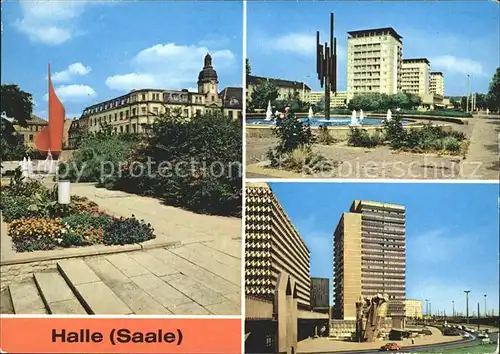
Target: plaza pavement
[[481, 160], [192, 267]]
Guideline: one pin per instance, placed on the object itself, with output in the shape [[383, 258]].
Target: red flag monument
[[50, 137]]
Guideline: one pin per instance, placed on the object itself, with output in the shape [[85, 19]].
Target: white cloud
[[49, 22], [169, 66], [73, 92], [456, 65], [75, 69], [296, 43]]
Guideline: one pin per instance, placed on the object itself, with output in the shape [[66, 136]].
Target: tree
[[248, 67], [264, 92], [11, 145], [16, 103], [493, 96]]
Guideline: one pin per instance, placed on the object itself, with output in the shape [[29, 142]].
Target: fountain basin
[[317, 121]]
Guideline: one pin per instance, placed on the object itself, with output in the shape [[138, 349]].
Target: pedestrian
[[413, 341]]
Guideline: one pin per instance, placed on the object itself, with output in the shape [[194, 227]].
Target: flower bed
[[38, 222]]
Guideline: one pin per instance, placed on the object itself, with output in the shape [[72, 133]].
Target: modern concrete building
[[437, 83], [287, 89], [374, 61], [134, 111], [278, 311], [337, 100], [272, 246], [369, 259], [415, 76], [413, 308]]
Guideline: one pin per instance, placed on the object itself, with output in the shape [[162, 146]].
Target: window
[[230, 114], [198, 112], [121, 115], [186, 112], [126, 114], [121, 128], [155, 110], [126, 129], [133, 128], [31, 137], [143, 109], [134, 112], [116, 116], [144, 97]]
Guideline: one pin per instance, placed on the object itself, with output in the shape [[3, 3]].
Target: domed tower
[[208, 82]]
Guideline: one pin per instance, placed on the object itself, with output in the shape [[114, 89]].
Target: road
[[457, 344]]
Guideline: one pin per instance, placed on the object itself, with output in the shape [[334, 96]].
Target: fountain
[[49, 165], [30, 167], [24, 167], [389, 115], [269, 112], [361, 116], [354, 120], [311, 113]]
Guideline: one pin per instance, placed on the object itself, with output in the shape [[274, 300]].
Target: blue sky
[[452, 234], [458, 37], [100, 50]]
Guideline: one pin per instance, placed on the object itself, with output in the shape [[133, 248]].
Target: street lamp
[[467, 301], [467, 106], [453, 304], [485, 311]]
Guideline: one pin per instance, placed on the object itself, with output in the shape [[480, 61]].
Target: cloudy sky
[[99, 50], [451, 234], [459, 38]]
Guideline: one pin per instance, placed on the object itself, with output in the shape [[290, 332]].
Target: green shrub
[[451, 144], [98, 157], [201, 159], [18, 207], [361, 137], [292, 133], [324, 136], [394, 132], [127, 231], [86, 221], [438, 113]]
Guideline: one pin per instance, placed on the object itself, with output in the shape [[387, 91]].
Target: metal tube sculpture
[[326, 66], [49, 139]]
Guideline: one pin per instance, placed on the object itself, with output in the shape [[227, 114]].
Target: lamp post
[[453, 304], [485, 311], [467, 301], [426, 307], [467, 106]]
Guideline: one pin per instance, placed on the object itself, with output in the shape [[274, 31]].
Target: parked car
[[466, 335], [389, 347], [485, 341]]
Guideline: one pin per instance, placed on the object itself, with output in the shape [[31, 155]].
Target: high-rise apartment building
[[415, 76], [437, 83], [374, 61], [272, 246], [413, 308], [337, 99], [369, 259]]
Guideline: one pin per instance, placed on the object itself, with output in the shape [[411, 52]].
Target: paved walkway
[[196, 279], [482, 160]]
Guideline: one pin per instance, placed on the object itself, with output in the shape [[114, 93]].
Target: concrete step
[[56, 294], [95, 296], [25, 298]]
